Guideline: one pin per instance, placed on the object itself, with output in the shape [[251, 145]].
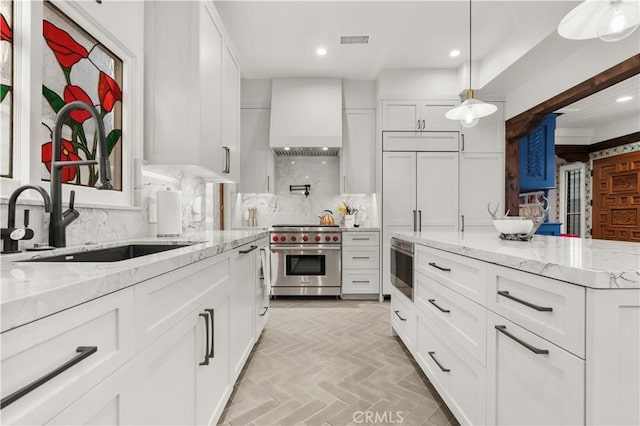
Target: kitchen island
[[155, 339], [538, 332]]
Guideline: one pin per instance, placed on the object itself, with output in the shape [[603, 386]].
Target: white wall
[[418, 84]]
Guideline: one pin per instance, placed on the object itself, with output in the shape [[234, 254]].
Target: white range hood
[[306, 116]]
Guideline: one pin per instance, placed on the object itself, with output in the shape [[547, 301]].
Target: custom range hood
[[306, 116]]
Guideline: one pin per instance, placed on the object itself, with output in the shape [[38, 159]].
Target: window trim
[[563, 196]]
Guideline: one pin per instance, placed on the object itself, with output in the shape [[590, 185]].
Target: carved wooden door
[[616, 198]]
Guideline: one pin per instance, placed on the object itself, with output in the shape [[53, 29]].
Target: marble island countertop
[[33, 290], [586, 262]]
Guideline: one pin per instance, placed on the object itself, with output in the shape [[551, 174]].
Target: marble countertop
[[586, 262], [360, 229], [29, 291]]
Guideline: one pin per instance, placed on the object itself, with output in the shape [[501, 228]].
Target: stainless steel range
[[305, 260]]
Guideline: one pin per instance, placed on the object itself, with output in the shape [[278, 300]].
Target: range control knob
[[305, 238], [283, 238], [317, 237], [335, 238], [275, 238], [293, 238], [327, 238]]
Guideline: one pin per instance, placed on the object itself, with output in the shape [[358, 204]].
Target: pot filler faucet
[[59, 219]]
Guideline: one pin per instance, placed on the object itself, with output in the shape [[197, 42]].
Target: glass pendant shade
[[470, 111], [609, 20]]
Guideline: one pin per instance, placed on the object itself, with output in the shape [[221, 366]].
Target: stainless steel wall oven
[[402, 266]]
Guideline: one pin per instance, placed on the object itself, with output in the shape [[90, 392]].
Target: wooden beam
[[523, 124], [573, 153], [612, 143]]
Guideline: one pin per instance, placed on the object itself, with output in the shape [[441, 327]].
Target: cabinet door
[[241, 308], [166, 374], [437, 190], [210, 93], [358, 159], [214, 384], [231, 113], [537, 157], [401, 115], [433, 117], [487, 135], [399, 202], [481, 182], [524, 387], [256, 155]]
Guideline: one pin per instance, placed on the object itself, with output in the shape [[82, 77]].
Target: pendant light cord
[[470, 59]]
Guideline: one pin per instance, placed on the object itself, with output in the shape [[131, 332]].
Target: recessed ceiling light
[[293, 162], [325, 149], [286, 148], [324, 162], [624, 99], [454, 53], [321, 51]]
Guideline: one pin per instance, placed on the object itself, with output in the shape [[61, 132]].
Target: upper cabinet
[[192, 88], [358, 151], [418, 116], [537, 157], [257, 156]]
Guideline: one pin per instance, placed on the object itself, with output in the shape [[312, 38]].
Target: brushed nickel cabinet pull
[[206, 352], [212, 313]]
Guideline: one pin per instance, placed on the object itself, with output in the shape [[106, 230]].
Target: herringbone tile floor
[[334, 362]]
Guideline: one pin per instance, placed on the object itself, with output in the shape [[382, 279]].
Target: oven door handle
[[304, 246]]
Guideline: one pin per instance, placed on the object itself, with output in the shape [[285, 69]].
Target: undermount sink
[[113, 254]]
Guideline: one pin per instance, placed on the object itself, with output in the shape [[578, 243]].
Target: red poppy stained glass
[[6, 85], [77, 67]]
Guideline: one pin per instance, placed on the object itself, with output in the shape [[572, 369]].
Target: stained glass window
[[6, 88], [76, 66]]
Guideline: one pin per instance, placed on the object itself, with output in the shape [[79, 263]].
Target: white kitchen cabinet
[[165, 383], [407, 115], [481, 183], [530, 380], [613, 357], [403, 318], [419, 188], [437, 191], [191, 88], [358, 151], [257, 157], [263, 286], [241, 307], [360, 263], [487, 135], [231, 114], [34, 350]]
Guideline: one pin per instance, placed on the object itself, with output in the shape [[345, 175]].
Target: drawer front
[[420, 141], [464, 320], [403, 318], [163, 301], [525, 387], [351, 239], [36, 349], [460, 273], [463, 386], [360, 258], [549, 308], [364, 281]]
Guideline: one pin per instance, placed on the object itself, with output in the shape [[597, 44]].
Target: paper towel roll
[[169, 204]]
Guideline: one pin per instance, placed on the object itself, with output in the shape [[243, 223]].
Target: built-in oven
[[305, 261], [402, 266]]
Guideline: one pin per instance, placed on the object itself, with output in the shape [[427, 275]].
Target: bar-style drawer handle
[[435, 265], [361, 281], [360, 257], [212, 317], [525, 303], [249, 250], [266, 308], [433, 357], [398, 314], [433, 302], [503, 329], [206, 326], [361, 239], [83, 352]]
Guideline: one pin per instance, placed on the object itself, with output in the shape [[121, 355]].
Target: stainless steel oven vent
[[306, 152], [359, 39]]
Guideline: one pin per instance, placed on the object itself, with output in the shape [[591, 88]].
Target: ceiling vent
[[361, 39]]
